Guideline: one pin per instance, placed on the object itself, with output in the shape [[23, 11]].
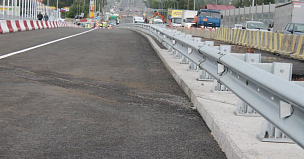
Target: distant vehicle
[[113, 20], [237, 26], [188, 17], [89, 25], [61, 20], [78, 17], [80, 24], [112, 23], [291, 12], [254, 25], [157, 21], [138, 19], [159, 15], [175, 17], [209, 18], [103, 24], [294, 28], [176, 22]]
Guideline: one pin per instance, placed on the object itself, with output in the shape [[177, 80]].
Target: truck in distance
[[188, 17], [290, 12], [209, 18], [175, 17]]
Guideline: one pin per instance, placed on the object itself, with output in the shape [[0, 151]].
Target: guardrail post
[[192, 66], [203, 75], [283, 70], [216, 85], [177, 54], [269, 133], [184, 59]]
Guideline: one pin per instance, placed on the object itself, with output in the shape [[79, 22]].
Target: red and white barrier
[[53, 24], [21, 24], [56, 24], [28, 23], [50, 24], [13, 25], [25, 25], [3, 26], [42, 24], [1, 31], [9, 26], [35, 25]]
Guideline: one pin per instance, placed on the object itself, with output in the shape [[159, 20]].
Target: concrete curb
[[235, 135]]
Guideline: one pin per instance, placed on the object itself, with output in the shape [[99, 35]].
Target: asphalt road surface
[[102, 94]]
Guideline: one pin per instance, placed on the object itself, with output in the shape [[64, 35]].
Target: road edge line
[[41, 45]]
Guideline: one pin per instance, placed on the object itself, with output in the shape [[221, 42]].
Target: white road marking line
[[37, 46]]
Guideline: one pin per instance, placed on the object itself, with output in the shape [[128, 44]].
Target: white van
[[138, 20], [188, 17]]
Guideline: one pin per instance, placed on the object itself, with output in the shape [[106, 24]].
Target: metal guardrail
[[278, 100]]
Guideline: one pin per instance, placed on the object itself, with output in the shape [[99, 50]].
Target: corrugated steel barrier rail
[[278, 100], [284, 44]]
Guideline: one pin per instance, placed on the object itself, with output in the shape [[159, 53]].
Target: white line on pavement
[[37, 46]]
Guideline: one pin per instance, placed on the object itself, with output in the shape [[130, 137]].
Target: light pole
[[57, 11], [48, 5], [188, 5], [250, 9], [3, 4]]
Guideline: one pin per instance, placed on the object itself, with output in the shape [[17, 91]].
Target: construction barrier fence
[[284, 44]]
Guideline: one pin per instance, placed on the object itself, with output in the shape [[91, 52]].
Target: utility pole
[[174, 4], [48, 5], [94, 9], [250, 9], [188, 5], [57, 10]]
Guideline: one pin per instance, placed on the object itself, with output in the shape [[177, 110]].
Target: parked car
[[294, 28], [237, 26], [254, 25]]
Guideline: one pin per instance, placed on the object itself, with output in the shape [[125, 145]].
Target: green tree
[[247, 3], [77, 8], [242, 3], [61, 4]]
